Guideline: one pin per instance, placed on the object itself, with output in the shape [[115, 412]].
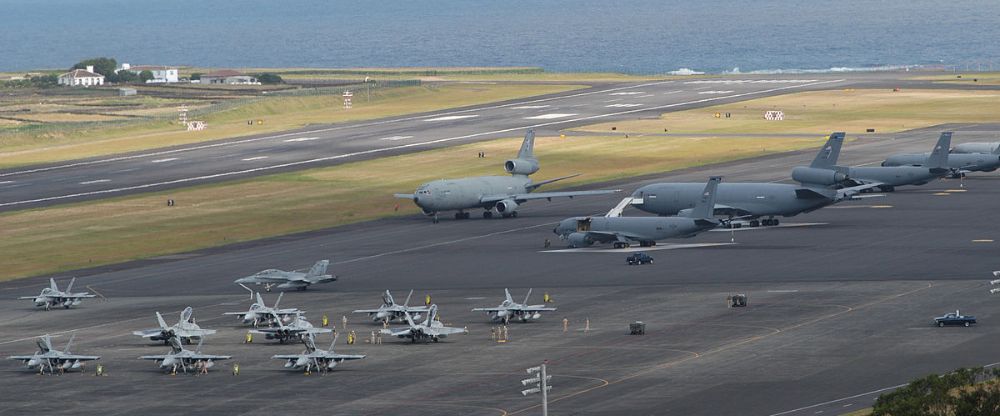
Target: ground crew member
[[547, 243], [344, 321], [546, 298], [236, 369], [427, 300], [204, 367], [565, 324], [326, 320], [249, 338], [586, 327]]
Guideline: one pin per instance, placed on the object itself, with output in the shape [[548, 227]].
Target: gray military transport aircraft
[[887, 178], [290, 279], [52, 296], [185, 329], [510, 309], [430, 329], [755, 200], [314, 358], [959, 163], [180, 358], [623, 231], [500, 194], [391, 311], [52, 360]]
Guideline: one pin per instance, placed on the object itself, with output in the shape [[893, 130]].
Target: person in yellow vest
[[546, 298], [326, 320], [100, 370], [249, 338], [236, 369], [427, 300]]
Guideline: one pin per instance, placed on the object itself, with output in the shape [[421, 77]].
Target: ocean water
[[638, 36]]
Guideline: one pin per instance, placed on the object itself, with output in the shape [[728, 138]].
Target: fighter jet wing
[[236, 313], [397, 332], [197, 356], [146, 333], [188, 333], [365, 311], [32, 297], [536, 308], [287, 356], [443, 330], [74, 357], [543, 195], [489, 309], [155, 357], [344, 357], [78, 296], [21, 357]]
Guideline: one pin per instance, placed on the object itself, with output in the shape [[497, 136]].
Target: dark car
[[639, 258], [955, 318]]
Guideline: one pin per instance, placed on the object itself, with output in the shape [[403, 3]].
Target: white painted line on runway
[[715, 92], [395, 138], [449, 118], [301, 139], [95, 181], [169, 159], [672, 92], [550, 116], [402, 146], [646, 96], [622, 105], [529, 107], [628, 93], [335, 128], [254, 158], [5, 182], [657, 247]]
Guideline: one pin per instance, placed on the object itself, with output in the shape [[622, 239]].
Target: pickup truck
[[955, 318]]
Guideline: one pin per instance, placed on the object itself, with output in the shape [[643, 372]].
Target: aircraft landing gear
[[435, 220], [754, 223], [461, 215], [487, 214], [619, 244], [770, 222]]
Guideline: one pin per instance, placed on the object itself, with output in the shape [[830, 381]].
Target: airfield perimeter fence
[[303, 89]]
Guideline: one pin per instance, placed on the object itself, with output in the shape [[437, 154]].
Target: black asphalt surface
[[841, 302], [841, 299], [160, 169]]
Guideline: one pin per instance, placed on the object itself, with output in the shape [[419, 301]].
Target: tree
[[126, 77], [269, 78], [145, 75], [103, 66]]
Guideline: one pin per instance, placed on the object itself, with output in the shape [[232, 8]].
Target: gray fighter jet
[[314, 358], [887, 178], [261, 314], [290, 280], [51, 360], [976, 147], [180, 358], [185, 329], [52, 296], [298, 328], [499, 194], [430, 329], [752, 201], [646, 231], [390, 311], [509, 310], [959, 163]]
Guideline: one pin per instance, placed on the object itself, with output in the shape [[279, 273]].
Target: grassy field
[[277, 113], [973, 78], [89, 234], [821, 112]]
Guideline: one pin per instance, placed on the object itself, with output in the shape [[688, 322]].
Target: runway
[[836, 311], [154, 170]]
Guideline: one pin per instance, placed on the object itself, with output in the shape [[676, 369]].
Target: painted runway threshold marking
[[391, 148], [169, 159], [658, 247], [301, 139], [95, 181], [254, 158], [550, 116], [449, 118]]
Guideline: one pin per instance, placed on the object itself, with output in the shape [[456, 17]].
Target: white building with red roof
[[81, 78]]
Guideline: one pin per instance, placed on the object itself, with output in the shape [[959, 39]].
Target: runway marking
[[384, 149], [657, 247], [95, 181], [783, 291], [858, 206], [169, 159], [550, 116], [791, 225], [647, 95], [5, 182], [301, 139], [529, 107], [982, 241], [715, 92], [881, 206], [368, 124], [449, 118], [956, 190], [940, 194], [621, 105], [254, 158], [628, 93], [750, 81], [395, 138]]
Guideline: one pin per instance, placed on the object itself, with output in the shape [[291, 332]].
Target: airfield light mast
[[541, 385]]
